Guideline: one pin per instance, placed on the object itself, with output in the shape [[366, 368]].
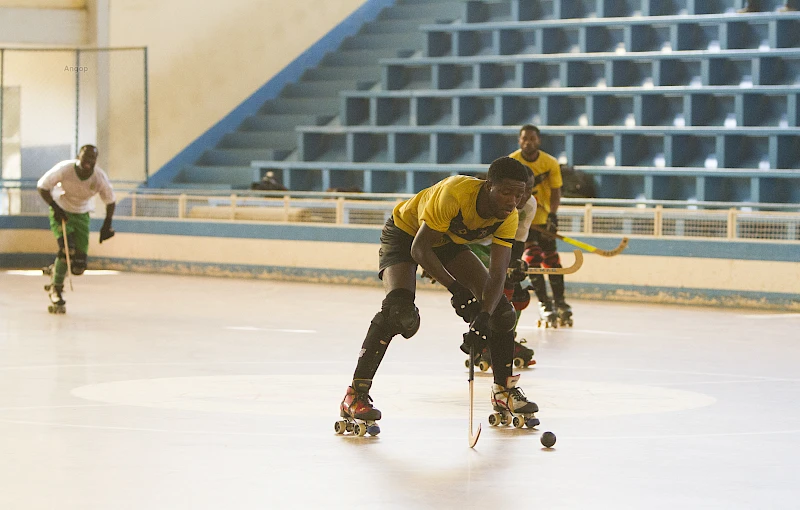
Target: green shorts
[[77, 230], [482, 251]]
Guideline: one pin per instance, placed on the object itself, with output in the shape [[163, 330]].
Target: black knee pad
[[78, 263], [400, 314], [504, 318]]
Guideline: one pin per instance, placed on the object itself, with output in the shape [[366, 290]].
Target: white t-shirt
[[70, 192], [526, 215]]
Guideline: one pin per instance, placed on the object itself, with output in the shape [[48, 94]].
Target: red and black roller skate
[[359, 416]]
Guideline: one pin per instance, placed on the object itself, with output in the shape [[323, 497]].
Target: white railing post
[[339, 210], [658, 221], [233, 206], [133, 204], [732, 223], [287, 202], [182, 206], [587, 219]]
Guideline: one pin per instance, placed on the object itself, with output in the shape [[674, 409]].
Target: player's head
[[87, 157], [529, 141], [506, 183]]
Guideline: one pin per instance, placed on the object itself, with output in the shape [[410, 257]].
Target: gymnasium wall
[[717, 273]]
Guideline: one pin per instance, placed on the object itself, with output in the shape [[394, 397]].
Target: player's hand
[[464, 302], [106, 232], [478, 335], [517, 271], [552, 223], [58, 213]]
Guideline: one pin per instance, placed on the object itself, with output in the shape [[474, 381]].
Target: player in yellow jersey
[[541, 250], [432, 230]]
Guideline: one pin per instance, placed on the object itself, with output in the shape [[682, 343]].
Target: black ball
[[548, 439]]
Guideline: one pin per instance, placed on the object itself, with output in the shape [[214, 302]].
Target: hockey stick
[[66, 250], [588, 247], [557, 270], [473, 439]]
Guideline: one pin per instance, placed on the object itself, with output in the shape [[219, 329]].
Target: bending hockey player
[[68, 188], [432, 229], [541, 249]]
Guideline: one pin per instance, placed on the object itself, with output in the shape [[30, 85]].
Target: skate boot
[[48, 270], [547, 316], [511, 406], [57, 304], [564, 313], [483, 360], [523, 356], [358, 415]]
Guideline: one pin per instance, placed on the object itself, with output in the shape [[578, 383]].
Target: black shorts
[[396, 248]]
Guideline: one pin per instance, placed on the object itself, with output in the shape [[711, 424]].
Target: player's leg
[[398, 315], [60, 264], [78, 236], [520, 299], [551, 259]]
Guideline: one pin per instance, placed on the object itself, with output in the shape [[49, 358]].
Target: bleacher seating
[[657, 99]]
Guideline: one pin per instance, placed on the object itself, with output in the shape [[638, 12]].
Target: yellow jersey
[[547, 173], [450, 206]]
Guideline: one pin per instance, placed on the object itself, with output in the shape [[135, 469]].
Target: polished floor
[[165, 392]]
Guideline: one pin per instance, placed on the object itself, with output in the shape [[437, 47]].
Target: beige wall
[[207, 57], [44, 4]]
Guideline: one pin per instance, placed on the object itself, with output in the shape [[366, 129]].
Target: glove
[[106, 232], [478, 335], [518, 271], [552, 223], [58, 213], [465, 304]]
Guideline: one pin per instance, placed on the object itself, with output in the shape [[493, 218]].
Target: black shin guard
[[501, 347], [557, 284], [398, 315]]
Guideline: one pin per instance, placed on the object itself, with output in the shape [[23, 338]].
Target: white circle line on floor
[[415, 438], [772, 316], [274, 330], [38, 272]]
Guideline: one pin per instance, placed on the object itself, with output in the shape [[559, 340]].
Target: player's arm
[[106, 232], [58, 212], [555, 200], [498, 265], [422, 253]]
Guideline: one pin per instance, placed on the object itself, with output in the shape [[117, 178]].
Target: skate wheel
[[539, 324], [504, 419], [349, 426], [466, 362], [51, 309], [340, 427], [373, 430], [519, 363], [518, 422], [484, 366], [360, 429], [494, 419], [532, 422]]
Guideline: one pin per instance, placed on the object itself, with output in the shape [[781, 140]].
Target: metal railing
[[665, 219]]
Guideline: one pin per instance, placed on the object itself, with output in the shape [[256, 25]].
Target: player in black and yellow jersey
[[432, 230]]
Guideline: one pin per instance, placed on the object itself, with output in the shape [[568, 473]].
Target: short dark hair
[[507, 168], [530, 127], [86, 148]]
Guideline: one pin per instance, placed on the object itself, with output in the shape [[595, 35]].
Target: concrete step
[[239, 157], [278, 122], [278, 140]]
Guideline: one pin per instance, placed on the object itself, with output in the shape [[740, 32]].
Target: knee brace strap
[[400, 314], [504, 318]]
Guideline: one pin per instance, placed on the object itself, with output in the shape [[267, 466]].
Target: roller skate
[[358, 415], [511, 406], [523, 356], [564, 313], [48, 270], [57, 304], [547, 316], [483, 360]]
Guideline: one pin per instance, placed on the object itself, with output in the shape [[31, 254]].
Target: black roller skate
[[564, 313], [523, 356], [57, 304], [483, 360], [358, 415], [511, 406], [547, 316]]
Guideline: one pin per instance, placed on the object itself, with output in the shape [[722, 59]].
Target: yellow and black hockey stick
[[588, 247]]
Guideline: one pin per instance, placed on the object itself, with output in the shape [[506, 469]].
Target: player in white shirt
[[69, 188], [519, 296]]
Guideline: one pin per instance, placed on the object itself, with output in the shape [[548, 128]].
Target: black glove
[[552, 223], [58, 213], [478, 335], [518, 271], [464, 302], [106, 232]]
